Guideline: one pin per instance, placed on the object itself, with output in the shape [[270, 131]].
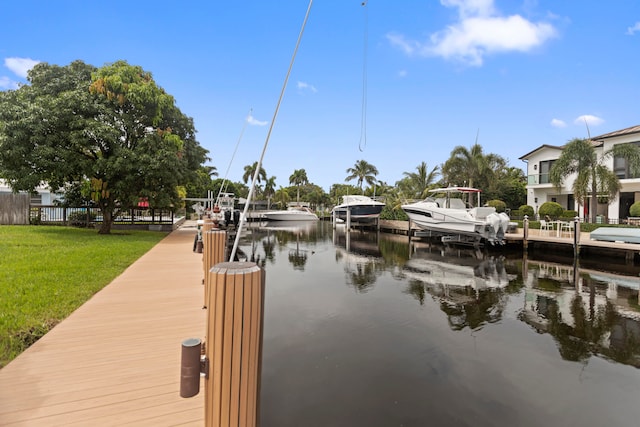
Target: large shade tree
[[362, 171], [113, 127], [593, 177]]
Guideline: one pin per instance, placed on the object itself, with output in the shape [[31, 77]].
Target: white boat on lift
[[361, 208], [440, 214], [293, 213]]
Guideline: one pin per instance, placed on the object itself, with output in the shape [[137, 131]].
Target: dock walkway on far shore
[[548, 239]]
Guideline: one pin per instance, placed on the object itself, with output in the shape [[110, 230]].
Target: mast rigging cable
[[363, 118]]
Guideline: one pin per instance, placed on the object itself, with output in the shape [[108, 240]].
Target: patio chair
[[545, 226], [566, 227]]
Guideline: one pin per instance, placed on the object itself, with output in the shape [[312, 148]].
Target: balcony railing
[[540, 178]]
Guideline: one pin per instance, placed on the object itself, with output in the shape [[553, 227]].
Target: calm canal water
[[372, 330]]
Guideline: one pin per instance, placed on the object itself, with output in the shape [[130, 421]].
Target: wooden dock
[[116, 360], [548, 240]]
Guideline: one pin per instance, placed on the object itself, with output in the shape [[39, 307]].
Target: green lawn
[[48, 272]]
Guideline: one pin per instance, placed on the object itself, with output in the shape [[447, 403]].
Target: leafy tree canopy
[[111, 127]]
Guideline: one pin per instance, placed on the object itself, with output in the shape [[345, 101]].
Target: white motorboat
[[450, 217], [361, 208], [294, 213]]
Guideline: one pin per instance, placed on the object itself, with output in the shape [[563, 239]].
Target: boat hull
[[360, 213], [290, 216], [458, 222]]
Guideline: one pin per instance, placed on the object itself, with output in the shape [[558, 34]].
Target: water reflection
[[378, 330], [361, 258], [282, 234], [589, 313], [470, 286]]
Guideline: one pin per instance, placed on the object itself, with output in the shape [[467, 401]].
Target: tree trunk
[[107, 221], [593, 209]]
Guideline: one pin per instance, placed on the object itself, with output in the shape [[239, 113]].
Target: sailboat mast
[[266, 142]]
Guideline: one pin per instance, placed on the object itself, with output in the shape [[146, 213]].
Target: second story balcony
[[540, 178]]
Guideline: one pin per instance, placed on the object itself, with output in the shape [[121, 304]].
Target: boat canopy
[[455, 189]]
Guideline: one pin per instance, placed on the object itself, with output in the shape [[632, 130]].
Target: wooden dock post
[[525, 233], [234, 344], [214, 242], [576, 237]]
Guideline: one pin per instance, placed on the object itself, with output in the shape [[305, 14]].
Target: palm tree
[[281, 196], [269, 190], [298, 178], [422, 180], [471, 166], [362, 171], [579, 156], [250, 170], [210, 170]]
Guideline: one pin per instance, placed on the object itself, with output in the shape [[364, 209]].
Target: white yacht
[[440, 214], [362, 208], [294, 213]]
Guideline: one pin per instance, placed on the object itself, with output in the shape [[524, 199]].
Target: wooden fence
[[14, 209]]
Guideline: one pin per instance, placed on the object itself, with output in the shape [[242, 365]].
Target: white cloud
[[402, 73], [254, 122], [557, 123], [399, 41], [479, 31], [632, 30], [468, 8], [306, 87], [7, 83], [20, 66], [589, 120]]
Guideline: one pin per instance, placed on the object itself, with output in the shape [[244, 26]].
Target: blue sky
[[394, 83]]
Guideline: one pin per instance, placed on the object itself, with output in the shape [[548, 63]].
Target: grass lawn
[[48, 272]]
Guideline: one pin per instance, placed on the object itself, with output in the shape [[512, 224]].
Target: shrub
[[498, 204], [527, 210], [393, 214], [552, 209], [516, 213], [81, 218], [634, 210], [570, 213]]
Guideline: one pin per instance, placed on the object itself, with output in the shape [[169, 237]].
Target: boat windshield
[[454, 202]]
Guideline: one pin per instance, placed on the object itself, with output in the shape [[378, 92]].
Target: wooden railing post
[[234, 344], [214, 245]]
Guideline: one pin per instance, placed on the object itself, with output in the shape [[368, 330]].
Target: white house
[[43, 195], [540, 189]]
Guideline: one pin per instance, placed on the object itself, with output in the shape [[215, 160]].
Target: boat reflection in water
[[469, 288], [285, 234], [372, 329]]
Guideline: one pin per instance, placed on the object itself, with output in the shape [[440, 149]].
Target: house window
[[621, 167], [545, 167]]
